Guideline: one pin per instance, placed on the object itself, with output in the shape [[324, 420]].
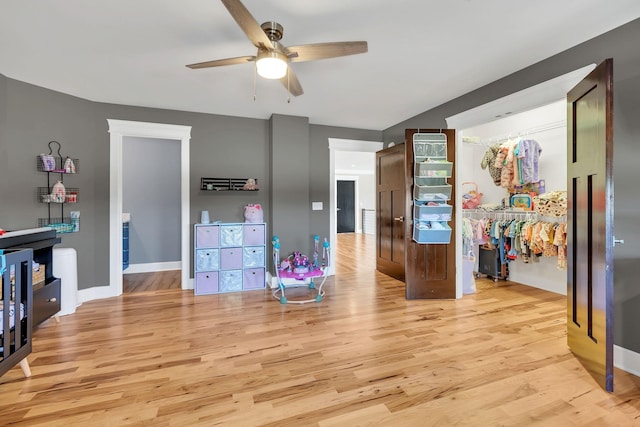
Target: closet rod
[[502, 214], [520, 134]]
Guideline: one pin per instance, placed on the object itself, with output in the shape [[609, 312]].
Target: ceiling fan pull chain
[[255, 77], [288, 87]]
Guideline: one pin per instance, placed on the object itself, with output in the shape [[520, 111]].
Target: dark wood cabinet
[[46, 294]]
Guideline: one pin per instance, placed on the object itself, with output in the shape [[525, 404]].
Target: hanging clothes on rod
[[516, 235]]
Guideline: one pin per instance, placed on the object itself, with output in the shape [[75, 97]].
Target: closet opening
[[509, 161], [535, 114]]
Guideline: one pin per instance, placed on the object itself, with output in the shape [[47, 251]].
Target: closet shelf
[[520, 134]]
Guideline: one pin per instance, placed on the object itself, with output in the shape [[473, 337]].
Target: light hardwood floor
[[363, 356], [141, 282]]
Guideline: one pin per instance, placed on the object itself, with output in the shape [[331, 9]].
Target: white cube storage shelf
[[229, 257], [431, 190]]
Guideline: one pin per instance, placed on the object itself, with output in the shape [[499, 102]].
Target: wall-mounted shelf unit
[[57, 167], [224, 184]]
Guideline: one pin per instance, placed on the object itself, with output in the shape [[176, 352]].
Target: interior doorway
[[151, 202], [119, 130], [346, 206], [338, 147]]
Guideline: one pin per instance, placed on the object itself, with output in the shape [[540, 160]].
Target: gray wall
[[151, 194], [319, 182], [221, 146], [35, 116], [621, 45], [4, 150], [290, 207]]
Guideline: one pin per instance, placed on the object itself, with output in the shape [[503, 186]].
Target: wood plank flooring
[[363, 356], [141, 282]]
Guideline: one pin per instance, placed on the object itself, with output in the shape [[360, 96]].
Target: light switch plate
[[316, 206]]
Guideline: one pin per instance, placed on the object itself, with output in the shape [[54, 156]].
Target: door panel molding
[[390, 205], [590, 223]]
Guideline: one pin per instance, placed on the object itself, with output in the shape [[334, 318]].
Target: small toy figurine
[[250, 185]]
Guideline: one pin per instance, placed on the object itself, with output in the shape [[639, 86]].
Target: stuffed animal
[[250, 184], [253, 213]]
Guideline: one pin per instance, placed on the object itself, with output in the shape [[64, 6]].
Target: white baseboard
[[627, 360], [150, 267], [98, 292]]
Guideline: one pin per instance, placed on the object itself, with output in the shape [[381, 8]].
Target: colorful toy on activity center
[[297, 270]]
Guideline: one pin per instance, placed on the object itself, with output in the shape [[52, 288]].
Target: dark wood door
[[430, 270], [390, 207], [590, 223], [346, 215]]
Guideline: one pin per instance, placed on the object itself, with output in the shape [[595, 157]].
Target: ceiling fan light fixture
[[271, 64]]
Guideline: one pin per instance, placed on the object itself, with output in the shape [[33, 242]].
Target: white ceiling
[[421, 52]]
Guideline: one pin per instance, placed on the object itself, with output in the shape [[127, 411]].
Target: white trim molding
[[627, 360], [336, 145], [150, 267], [118, 130]]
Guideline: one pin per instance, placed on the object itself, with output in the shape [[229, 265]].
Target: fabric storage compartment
[[253, 256], [431, 232], [207, 236], [206, 283], [433, 169], [429, 181], [231, 235], [437, 212], [37, 276], [423, 150], [230, 258], [254, 234], [253, 278], [207, 259], [432, 193], [230, 281]]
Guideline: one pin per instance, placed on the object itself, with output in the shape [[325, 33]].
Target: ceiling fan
[[272, 59]]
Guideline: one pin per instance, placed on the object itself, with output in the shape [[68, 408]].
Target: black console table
[[46, 295]]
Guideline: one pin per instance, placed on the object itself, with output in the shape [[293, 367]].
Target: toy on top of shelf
[[250, 184], [253, 213]]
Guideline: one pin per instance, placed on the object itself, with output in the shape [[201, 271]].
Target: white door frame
[[337, 145], [118, 129]]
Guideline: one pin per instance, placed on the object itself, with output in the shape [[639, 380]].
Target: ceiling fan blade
[[290, 81], [311, 52], [221, 62], [248, 24]]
